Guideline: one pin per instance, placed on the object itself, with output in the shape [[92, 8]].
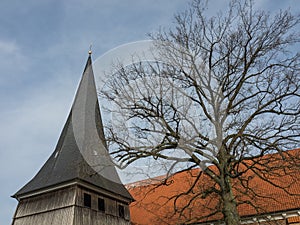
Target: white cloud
[[12, 61], [8, 47]]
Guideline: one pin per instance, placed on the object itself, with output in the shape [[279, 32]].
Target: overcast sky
[[43, 51]]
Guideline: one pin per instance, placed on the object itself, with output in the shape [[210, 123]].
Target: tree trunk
[[229, 208]]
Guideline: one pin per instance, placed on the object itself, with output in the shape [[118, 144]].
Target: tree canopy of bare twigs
[[225, 89]]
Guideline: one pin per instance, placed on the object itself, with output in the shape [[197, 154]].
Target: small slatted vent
[[87, 200], [101, 204], [121, 211]]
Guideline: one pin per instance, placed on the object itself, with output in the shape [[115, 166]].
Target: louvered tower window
[[121, 211], [87, 200], [101, 204]]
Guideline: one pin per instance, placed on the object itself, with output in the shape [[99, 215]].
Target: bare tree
[[224, 91]]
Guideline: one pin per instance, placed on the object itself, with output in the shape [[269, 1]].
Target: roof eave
[[73, 182]]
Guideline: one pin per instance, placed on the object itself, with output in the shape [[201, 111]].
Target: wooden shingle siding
[[111, 207], [46, 202], [56, 217], [84, 216], [65, 207]]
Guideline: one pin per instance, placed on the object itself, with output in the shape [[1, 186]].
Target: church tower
[[78, 184]]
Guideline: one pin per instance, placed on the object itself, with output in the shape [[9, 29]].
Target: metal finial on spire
[[90, 50]]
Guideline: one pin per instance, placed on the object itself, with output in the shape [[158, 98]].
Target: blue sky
[[43, 50]]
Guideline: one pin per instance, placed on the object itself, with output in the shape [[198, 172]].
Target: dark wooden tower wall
[[66, 206], [78, 184], [54, 207]]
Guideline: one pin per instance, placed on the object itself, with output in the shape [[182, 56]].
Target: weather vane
[[90, 50]]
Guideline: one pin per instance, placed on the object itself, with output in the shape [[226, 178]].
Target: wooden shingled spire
[[78, 184]]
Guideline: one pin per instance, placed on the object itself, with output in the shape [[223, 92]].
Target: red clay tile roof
[[294, 219], [157, 198]]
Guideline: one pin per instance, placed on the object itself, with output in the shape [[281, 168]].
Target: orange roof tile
[[163, 201], [294, 219]]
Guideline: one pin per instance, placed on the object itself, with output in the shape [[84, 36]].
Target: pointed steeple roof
[[81, 153]]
